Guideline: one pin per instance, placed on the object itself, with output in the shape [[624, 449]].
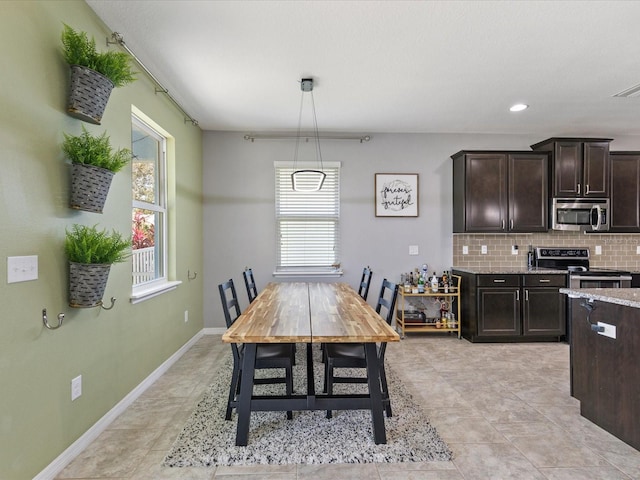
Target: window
[[149, 210], [308, 223]]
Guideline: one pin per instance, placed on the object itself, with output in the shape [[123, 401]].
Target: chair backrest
[[229, 298], [250, 283], [365, 282], [387, 299], [231, 309]]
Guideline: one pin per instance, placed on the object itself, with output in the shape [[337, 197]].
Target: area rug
[[310, 438]]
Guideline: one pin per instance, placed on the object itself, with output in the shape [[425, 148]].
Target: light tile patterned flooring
[[504, 409]]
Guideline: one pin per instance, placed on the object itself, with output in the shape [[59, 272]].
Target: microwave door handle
[[596, 217]]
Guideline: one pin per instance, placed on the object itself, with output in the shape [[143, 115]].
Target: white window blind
[[308, 223]]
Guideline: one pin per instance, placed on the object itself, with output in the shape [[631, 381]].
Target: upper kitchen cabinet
[[625, 192], [500, 191], [579, 166]]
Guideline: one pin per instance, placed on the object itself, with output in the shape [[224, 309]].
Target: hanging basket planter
[[89, 187], [87, 283], [89, 93]]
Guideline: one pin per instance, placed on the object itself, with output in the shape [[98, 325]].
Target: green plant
[[84, 244], [91, 150], [79, 50]]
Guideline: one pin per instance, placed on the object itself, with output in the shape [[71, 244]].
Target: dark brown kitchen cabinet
[[625, 192], [544, 308], [500, 191], [579, 166], [512, 307]]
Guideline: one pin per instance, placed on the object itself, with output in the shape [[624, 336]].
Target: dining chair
[[351, 355], [250, 283], [365, 282], [268, 355]]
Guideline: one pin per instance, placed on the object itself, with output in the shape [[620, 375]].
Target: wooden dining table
[[311, 313]]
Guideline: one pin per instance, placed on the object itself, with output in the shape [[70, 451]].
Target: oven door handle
[[599, 278]]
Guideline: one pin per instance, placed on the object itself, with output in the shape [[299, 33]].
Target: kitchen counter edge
[[509, 271], [628, 297]]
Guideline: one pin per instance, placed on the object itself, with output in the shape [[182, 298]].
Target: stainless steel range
[[576, 262]]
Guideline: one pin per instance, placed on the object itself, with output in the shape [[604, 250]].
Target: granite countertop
[[628, 297], [508, 270]]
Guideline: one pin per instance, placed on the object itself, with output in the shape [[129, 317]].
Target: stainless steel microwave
[[580, 214]]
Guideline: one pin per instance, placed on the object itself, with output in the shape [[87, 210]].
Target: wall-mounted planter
[[87, 283], [89, 93], [89, 187]]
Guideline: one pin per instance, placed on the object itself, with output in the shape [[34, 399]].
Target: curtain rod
[[306, 136], [119, 39]]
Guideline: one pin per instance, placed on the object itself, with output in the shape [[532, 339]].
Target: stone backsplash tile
[[618, 251]]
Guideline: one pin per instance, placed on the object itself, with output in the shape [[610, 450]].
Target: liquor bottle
[[434, 283]]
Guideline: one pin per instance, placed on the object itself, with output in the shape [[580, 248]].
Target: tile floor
[[504, 409]]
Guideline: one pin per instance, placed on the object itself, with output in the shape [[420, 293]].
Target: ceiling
[[393, 66]]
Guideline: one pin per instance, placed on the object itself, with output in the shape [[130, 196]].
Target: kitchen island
[[605, 358]]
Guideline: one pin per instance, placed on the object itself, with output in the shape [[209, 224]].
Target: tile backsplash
[[618, 251]]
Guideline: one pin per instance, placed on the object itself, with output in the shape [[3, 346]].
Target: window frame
[[162, 282], [283, 192]]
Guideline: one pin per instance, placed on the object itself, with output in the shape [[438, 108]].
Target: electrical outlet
[[609, 330], [76, 387], [465, 249], [514, 249], [186, 316], [598, 249], [483, 249], [638, 249]]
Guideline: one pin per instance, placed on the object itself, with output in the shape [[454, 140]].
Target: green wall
[[113, 350]]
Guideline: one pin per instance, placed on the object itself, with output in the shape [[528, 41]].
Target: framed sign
[[396, 194]]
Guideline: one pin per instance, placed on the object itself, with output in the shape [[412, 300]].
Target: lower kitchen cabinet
[[512, 307]]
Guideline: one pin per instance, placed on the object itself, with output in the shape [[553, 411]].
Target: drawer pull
[[499, 280], [545, 280]]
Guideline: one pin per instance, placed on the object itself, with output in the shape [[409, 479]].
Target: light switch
[[465, 249], [598, 250], [22, 269], [483, 249]]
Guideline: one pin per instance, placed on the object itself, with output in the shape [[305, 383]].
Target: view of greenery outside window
[[307, 223], [149, 223]]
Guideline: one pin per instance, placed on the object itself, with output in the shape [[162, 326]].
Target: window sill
[[309, 273], [146, 292]]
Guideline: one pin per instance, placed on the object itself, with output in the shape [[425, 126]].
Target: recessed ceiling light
[[518, 107]]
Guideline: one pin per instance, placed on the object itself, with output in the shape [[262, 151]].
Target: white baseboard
[[214, 331], [55, 467]]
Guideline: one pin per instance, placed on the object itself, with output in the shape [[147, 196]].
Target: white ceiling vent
[[629, 92]]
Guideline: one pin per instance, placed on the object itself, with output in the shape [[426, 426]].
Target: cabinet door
[[499, 312], [625, 192], [544, 312], [528, 192], [596, 169], [486, 196], [567, 169]]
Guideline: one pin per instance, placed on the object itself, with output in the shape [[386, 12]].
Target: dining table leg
[[373, 376], [246, 392]]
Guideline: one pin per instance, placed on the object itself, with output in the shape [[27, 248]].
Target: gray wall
[[239, 227]]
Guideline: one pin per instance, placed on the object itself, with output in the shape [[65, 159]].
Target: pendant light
[[307, 180]]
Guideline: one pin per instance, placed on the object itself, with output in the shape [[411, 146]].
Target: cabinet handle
[[517, 295], [503, 224], [526, 295], [578, 189], [499, 280], [511, 224], [544, 280], [586, 189]]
